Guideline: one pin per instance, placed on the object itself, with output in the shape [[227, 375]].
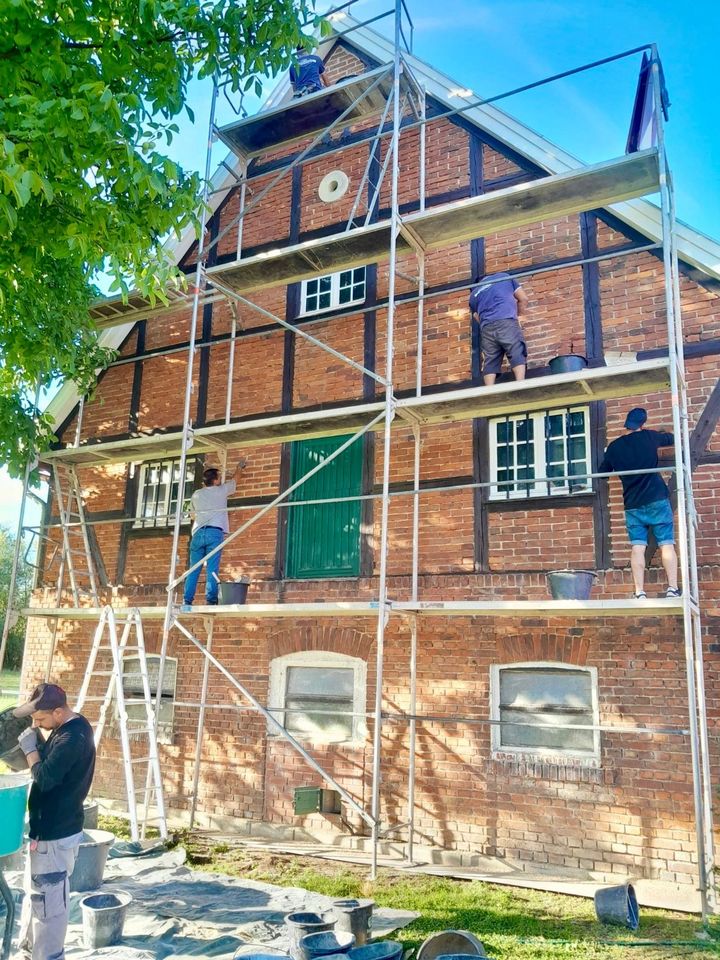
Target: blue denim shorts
[[656, 516]]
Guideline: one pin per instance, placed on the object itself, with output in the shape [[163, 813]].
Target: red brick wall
[[633, 814]]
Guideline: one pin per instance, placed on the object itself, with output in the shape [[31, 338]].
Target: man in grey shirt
[[208, 508]]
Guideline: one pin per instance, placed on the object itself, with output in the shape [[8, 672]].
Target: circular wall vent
[[333, 186]]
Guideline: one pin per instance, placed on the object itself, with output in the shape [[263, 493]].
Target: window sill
[[549, 766], [560, 500]]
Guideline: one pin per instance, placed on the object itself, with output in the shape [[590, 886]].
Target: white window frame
[[319, 658], [538, 488], [334, 293], [559, 756], [165, 727], [164, 520]]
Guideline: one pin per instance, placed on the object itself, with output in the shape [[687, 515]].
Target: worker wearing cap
[[309, 75], [496, 303], [208, 508], [646, 497], [62, 769]]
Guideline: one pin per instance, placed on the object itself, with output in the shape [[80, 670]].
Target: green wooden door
[[324, 538]]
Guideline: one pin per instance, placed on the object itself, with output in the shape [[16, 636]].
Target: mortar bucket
[[571, 584], [103, 916], [10, 729], [90, 815], [382, 950], [618, 905], [355, 916], [90, 864], [314, 945], [568, 363], [13, 804], [301, 923], [234, 592], [451, 942]]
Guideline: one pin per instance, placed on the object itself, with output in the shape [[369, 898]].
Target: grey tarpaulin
[[181, 913]]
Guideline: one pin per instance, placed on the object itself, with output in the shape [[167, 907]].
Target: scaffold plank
[[296, 119], [586, 188], [539, 393]]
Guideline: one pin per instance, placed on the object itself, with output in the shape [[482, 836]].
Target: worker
[[62, 769], [645, 496], [496, 303], [208, 508], [309, 75]]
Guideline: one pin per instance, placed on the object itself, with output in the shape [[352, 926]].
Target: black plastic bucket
[[302, 923], [234, 592], [568, 363], [571, 584], [618, 905]]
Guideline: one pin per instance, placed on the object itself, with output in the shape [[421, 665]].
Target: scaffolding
[[393, 95]]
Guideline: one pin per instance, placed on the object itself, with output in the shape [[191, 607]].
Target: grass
[[513, 924], [9, 688]]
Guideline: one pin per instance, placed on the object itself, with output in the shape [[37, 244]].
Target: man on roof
[[309, 75], [496, 303]]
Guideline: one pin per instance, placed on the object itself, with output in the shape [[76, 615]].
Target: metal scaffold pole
[[685, 515], [387, 438]]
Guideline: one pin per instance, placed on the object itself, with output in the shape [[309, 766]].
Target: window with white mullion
[[551, 444], [158, 490], [333, 291]]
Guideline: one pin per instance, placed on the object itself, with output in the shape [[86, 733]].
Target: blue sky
[[494, 46]]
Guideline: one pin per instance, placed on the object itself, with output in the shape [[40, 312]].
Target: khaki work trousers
[[44, 917]]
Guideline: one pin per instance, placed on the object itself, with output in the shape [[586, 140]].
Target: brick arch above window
[[569, 645], [347, 640]]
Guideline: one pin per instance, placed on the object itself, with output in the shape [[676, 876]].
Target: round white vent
[[333, 186]]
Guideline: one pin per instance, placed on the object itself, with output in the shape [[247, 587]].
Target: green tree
[[16, 637], [88, 93]]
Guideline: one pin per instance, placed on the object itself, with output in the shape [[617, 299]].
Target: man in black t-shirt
[[646, 497], [62, 769]]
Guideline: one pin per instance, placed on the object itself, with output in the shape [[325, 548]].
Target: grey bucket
[[10, 751], [355, 916], [568, 363], [301, 923], [451, 943], [103, 916], [90, 864], [571, 584], [234, 592], [90, 815], [618, 905], [322, 944], [383, 950]]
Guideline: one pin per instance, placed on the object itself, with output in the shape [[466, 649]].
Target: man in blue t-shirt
[[645, 496], [496, 303], [308, 76]]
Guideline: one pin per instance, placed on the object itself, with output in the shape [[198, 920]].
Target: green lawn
[[513, 924], [9, 688]]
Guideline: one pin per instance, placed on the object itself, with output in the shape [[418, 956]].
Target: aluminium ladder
[[76, 555], [106, 641]]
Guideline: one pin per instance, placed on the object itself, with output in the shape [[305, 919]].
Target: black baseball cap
[[636, 418], [45, 696]]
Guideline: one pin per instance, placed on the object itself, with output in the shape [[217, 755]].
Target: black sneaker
[[211, 603], [640, 595], [673, 593]]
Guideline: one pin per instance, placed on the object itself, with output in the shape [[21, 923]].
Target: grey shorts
[[500, 338]]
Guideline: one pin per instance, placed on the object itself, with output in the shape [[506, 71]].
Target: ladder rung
[[141, 759]]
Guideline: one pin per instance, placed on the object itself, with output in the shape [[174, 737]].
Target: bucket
[[618, 905], [568, 363], [451, 942], [300, 924], [10, 729], [571, 584], [323, 944], [90, 863], [90, 816], [234, 591], [355, 916], [251, 951], [383, 950], [103, 916], [13, 804]]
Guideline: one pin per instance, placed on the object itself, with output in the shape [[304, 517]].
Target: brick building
[[596, 800]]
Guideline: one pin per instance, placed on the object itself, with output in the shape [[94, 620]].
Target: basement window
[[541, 709], [319, 696], [552, 444], [333, 291], [158, 492], [135, 701]]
